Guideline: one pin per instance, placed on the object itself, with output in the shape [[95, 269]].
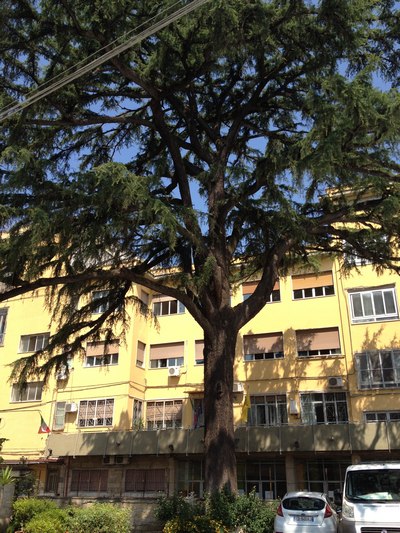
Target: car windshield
[[378, 485], [302, 503]]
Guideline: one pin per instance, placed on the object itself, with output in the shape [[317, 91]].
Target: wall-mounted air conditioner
[[335, 382], [115, 460], [238, 386], [174, 371], [293, 408], [71, 407]]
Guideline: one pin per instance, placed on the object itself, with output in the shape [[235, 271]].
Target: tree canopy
[[242, 139]]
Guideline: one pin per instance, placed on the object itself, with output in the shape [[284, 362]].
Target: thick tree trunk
[[220, 458]]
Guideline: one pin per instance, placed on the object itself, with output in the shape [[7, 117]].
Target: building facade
[[317, 377]]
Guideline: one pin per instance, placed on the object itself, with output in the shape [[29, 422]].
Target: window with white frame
[[378, 369], [164, 414], [166, 355], [33, 343], [318, 342], [3, 320], [373, 305], [263, 346], [382, 416], [248, 287], [165, 305], [59, 416], [102, 353], [32, 392], [268, 410], [324, 408], [96, 412], [312, 285], [101, 301]]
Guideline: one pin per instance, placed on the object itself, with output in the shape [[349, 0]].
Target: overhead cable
[[63, 79]]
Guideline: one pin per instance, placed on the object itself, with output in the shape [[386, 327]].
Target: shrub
[[221, 506], [52, 521], [177, 506], [254, 515], [195, 524], [25, 509], [99, 518]]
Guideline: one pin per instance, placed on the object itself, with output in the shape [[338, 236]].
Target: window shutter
[[307, 281]]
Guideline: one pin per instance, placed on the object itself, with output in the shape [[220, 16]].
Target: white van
[[371, 499]]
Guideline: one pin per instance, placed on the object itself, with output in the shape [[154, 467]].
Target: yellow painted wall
[[126, 381]]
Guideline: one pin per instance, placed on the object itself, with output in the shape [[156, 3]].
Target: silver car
[[305, 512]]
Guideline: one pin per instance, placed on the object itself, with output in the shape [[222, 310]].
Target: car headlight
[[348, 510]]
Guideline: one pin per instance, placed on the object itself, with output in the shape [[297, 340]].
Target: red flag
[[44, 428]]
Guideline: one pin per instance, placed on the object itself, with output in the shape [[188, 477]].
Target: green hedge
[[99, 518], [37, 515]]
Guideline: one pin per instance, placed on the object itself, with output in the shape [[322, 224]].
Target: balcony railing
[[376, 436]]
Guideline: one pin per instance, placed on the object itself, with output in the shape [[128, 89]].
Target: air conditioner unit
[[71, 407], [335, 382], [115, 460], [174, 371], [238, 387]]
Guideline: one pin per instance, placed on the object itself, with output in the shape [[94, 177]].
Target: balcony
[[376, 436]]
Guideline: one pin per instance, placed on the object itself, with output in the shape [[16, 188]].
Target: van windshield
[[373, 485]]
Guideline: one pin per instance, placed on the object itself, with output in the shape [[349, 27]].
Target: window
[[52, 479], [102, 353], [141, 348], [137, 417], [199, 352], [324, 408], [378, 369], [263, 346], [268, 410], [95, 413], [102, 297], [164, 414], [33, 343], [166, 355], [59, 416], [248, 287], [31, 393], [165, 305], [145, 480], [312, 285], [198, 412], [382, 416], [89, 480], [373, 305], [3, 320], [314, 342]]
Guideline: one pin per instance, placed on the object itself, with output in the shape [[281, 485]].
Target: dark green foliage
[[26, 484], [243, 139], [254, 515], [169, 507], [222, 509]]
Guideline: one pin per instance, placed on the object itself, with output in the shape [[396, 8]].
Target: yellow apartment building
[[317, 387]]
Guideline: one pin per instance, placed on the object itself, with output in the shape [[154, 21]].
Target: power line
[[63, 79]]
